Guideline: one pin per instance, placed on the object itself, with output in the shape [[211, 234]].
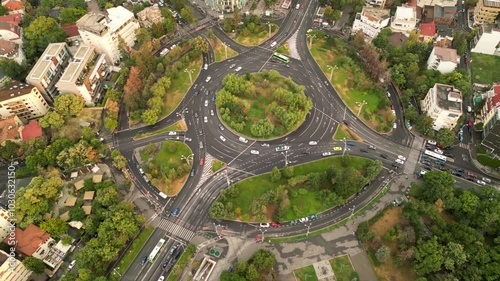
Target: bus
[[435, 156], [280, 57], [156, 250]]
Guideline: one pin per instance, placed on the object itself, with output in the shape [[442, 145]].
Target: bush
[[382, 254], [302, 191]]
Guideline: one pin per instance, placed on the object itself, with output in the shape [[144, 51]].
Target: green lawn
[[165, 159], [217, 165], [488, 161], [178, 126], [254, 39], [344, 132], [485, 68], [284, 49], [306, 274], [343, 269], [179, 267], [220, 50], [132, 252]]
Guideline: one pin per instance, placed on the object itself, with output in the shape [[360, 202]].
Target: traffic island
[[344, 133]]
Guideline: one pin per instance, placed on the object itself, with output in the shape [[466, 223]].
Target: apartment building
[[443, 60], [404, 20], [487, 40], [371, 21], [486, 11], [102, 31], [13, 269], [438, 11], [225, 5], [443, 103], [490, 117], [150, 15], [85, 75], [48, 69], [22, 100], [5, 223]]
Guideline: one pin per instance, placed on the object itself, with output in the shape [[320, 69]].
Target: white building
[[226, 5], [377, 3], [47, 70], [405, 19], [103, 31], [11, 269], [371, 20], [443, 103], [4, 223], [22, 100], [85, 75], [443, 60], [487, 40]]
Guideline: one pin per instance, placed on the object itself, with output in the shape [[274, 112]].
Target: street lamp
[[227, 177], [360, 104], [225, 48], [262, 232], [345, 146], [311, 39], [352, 210], [286, 157], [189, 73], [188, 158], [269, 34], [308, 227], [116, 272], [332, 68]]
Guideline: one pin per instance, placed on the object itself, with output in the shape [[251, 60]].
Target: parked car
[[438, 151], [384, 156], [313, 217], [481, 182], [306, 219], [275, 224], [327, 153], [401, 157], [372, 147], [486, 180], [72, 264], [264, 225], [399, 161], [255, 152], [364, 150], [431, 142], [313, 143]]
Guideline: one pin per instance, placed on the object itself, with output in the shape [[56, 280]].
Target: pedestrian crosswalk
[[463, 145], [207, 169], [176, 230], [292, 45]]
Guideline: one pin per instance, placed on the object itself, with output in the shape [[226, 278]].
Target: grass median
[[132, 252]]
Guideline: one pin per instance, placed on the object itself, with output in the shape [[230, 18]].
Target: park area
[[72, 128], [264, 105], [352, 84], [344, 133], [221, 52], [485, 68], [295, 192], [338, 269], [166, 165]]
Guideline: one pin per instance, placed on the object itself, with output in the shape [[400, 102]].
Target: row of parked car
[[294, 222]]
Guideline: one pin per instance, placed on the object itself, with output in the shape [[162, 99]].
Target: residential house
[[490, 117], [150, 15], [375, 3], [397, 39], [104, 31], [487, 40], [438, 11], [74, 37], [225, 5], [427, 32], [11, 37], [443, 103], [32, 242], [85, 75], [48, 69], [22, 100], [14, 6], [10, 130], [12, 269], [486, 11], [32, 130], [445, 42], [443, 60], [5, 224], [371, 20], [404, 20]]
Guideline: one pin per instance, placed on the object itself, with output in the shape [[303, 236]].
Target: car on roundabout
[[327, 153], [232, 66], [337, 148], [205, 119], [212, 112], [313, 143], [222, 138], [221, 127], [254, 152], [208, 79], [238, 69], [264, 144]]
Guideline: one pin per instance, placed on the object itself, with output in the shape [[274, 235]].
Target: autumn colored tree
[[132, 88]]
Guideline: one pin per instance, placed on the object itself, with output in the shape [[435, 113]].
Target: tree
[[275, 174], [119, 161], [236, 15], [263, 260], [329, 14], [3, 11], [132, 87], [55, 226], [150, 116], [143, 35], [77, 214], [287, 172], [69, 104], [459, 42], [110, 123], [77, 156], [187, 14], [428, 256], [14, 70], [52, 120], [71, 15], [382, 254], [34, 264], [39, 34], [438, 185], [10, 150], [200, 44], [455, 256], [445, 137], [217, 210], [107, 196]]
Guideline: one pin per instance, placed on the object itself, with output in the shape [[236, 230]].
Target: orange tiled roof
[[29, 240], [31, 130], [14, 5]]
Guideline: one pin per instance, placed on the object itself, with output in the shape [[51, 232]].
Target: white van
[[243, 140], [297, 7]]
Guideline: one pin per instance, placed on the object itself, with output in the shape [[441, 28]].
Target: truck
[[282, 148]]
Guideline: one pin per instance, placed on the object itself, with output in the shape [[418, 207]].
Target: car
[[401, 157], [264, 144], [255, 152], [337, 148], [486, 180], [470, 179], [208, 79], [428, 147], [449, 155], [206, 102], [313, 143], [221, 127], [196, 93], [275, 224], [363, 150], [393, 112], [440, 146], [172, 133], [372, 147], [141, 171], [164, 265], [161, 278], [238, 69], [222, 138], [313, 217], [202, 161], [395, 165], [327, 153], [384, 156], [211, 112], [196, 114], [438, 151], [302, 6], [264, 225], [201, 144], [205, 119], [187, 139], [205, 67], [346, 122], [206, 93], [469, 109], [232, 66], [144, 260], [193, 172], [273, 44], [472, 175], [460, 170], [392, 106], [350, 143], [431, 142], [306, 219], [399, 161], [213, 97], [72, 264], [282, 147], [388, 94], [306, 153], [395, 125], [426, 162], [481, 182], [175, 212], [295, 21]]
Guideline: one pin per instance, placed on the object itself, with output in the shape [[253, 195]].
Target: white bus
[[435, 156], [156, 250]]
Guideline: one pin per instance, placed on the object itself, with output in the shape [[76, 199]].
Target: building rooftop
[[397, 39], [31, 131], [12, 19], [7, 47], [95, 23], [491, 3], [449, 98], [71, 29], [9, 129], [119, 16], [446, 54], [428, 29], [70, 201], [376, 14], [444, 42], [405, 12], [77, 64], [88, 195], [14, 5], [48, 57], [29, 240], [442, 3], [14, 89]]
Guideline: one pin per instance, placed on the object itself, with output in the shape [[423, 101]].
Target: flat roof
[[77, 64], [118, 16], [45, 60], [448, 97], [14, 89], [376, 14]]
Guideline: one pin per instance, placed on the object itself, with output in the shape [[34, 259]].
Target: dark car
[[470, 179], [460, 170], [165, 264], [175, 212], [196, 114], [346, 123], [350, 143], [364, 150], [395, 165], [448, 155], [196, 93], [143, 260], [428, 168], [383, 156]]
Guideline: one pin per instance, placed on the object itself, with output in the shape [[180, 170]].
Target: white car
[[238, 69], [264, 144], [327, 153], [172, 133], [208, 79], [222, 138], [399, 161], [401, 157], [395, 125], [438, 151], [206, 102], [253, 151], [481, 182], [273, 44], [306, 219], [393, 112], [313, 143], [232, 66], [205, 119], [72, 264], [211, 112], [431, 142], [264, 225], [206, 66], [161, 278]]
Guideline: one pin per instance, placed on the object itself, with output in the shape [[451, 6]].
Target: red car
[[275, 224], [202, 161], [440, 146], [392, 106]]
